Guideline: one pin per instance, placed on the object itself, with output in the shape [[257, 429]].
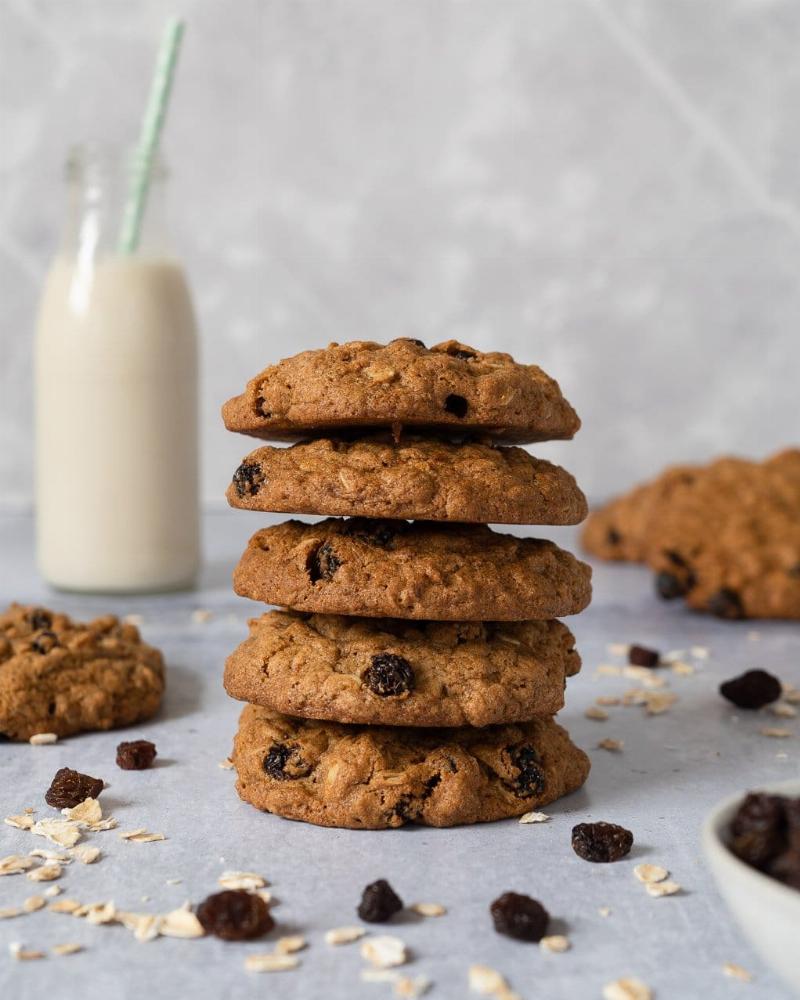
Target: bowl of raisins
[[752, 844]]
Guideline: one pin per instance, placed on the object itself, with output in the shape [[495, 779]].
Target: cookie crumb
[[289, 945], [241, 880], [226, 765], [555, 943], [666, 888], [627, 989], [344, 935], [428, 909], [271, 962], [735, 971], [650, 873], [384, 951], [534, 817], [43, 739], [71, 948]]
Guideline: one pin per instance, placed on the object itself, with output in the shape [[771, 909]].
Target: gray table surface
[[672, 770]]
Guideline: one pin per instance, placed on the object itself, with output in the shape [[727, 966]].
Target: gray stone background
[[610, 188]]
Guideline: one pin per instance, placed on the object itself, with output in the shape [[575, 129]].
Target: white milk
[[116, 416]]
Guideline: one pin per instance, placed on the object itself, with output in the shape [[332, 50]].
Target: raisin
[[530, 780], [381, 534], [44, 642], [613, 537], [136, 755], [757, 829], [39, 619], [786, 868], [752, 689], [235, 915], [456, 405], [248, 479], [379, 902], [726, 604], [601, 842], [260, 407], [322, 562], [641, 656], [69, 788], [518, 916], [389, 675], [283, 763], [669, 586]]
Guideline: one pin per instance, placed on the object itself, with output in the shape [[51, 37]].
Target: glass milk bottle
[[116, 396]]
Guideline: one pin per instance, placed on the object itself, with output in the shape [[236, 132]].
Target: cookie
[[725, 536], [64, 677], [450, 388], [417, 479], [397, 673], [372, 777], [397, 569], [620, 530]]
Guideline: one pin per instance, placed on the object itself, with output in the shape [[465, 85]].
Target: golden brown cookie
[[450, 388], [394, 569], [399, 673], [725, 536], [417, 479], [371, 777], [64, 677]]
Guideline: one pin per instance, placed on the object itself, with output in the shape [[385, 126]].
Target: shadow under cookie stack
[[416, 670]]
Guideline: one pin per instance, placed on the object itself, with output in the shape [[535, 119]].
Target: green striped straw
[[149, 136]]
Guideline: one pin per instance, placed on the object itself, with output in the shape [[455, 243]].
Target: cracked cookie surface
[[401, 673], [375, 778], [415, 479], [725, 536], [450, 388], [65, 677], [397, 569]]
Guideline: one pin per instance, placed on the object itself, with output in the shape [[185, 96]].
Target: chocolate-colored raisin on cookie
[[403, 673], [394, 569], [450, 388], [64, 677], [372, 777]]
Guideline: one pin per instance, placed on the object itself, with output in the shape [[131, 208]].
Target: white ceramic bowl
[[767, 911]]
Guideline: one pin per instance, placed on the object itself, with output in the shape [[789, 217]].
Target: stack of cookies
[[415, 671]]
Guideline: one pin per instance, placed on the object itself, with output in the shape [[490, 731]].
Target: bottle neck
[[98, 187]]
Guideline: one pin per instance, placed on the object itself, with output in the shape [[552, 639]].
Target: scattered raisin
[[389, 675], [641, 656], [530, 780], [235, 915], [39, 619], [752, 689], [669, 586], [322, 562], [379, 902], [601, 842], [248, 479], [44, 642], [613, 537], [137, 755], [726, 604], [381, 534], [456, 405], [69, 788], [284, 763], [518, 916]]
